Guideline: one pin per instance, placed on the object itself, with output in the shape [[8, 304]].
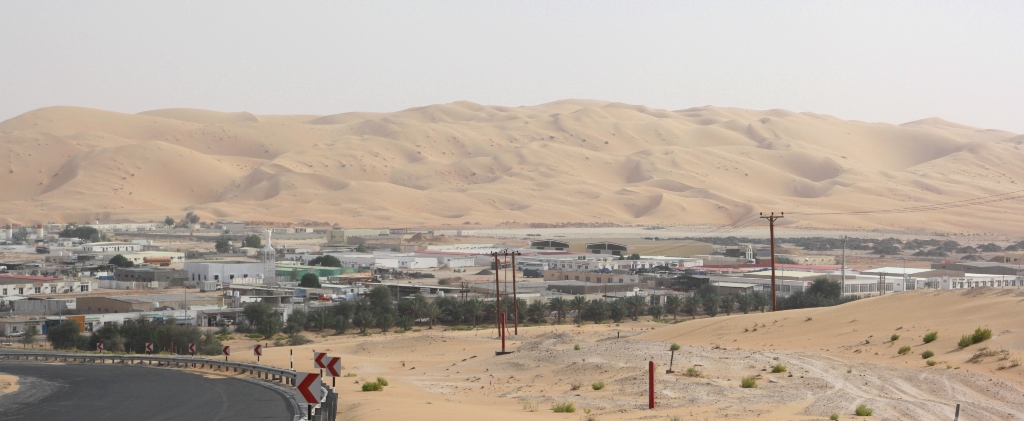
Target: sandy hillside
[[458, 163], [836, 359]]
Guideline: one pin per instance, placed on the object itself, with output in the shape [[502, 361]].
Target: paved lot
[[114, 392]]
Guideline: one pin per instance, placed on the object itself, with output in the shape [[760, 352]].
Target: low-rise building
[[111, 247], [226, 272], [152, 302], [603, 277], [162, 276], [23, 285]]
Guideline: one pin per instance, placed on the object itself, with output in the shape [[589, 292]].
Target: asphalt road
[[116, 392]]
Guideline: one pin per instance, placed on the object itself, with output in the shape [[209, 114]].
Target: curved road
[[118, 392]]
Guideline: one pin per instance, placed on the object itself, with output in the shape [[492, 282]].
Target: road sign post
[[192, 350], [99, 347], [318, 361], [149, 348], [258, 352], [226, 351], [334, 370], [309, 387]]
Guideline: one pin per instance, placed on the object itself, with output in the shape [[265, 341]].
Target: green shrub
[[863, 411], [931, 363], [576, 347], [372, 387], [904, 350], [834, 417], [927, 354], [931, 337], [382, 381], [598, 385], [778, 368], [894, 337], [965, 341], [748, 382], [350, 374], [981, 335], [693, 372], [564, 407]]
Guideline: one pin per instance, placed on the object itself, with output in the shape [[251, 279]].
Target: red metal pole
[[503, 333], [650, 381]]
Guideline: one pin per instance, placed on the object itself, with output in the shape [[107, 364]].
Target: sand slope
[[458, 163], [837, 358]]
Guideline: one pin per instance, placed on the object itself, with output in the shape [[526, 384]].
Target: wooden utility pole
[[497, 294], [515, 298], [771, 230]]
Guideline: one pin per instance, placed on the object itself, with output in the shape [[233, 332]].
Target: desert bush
[[931, 337], [981, 335], [598, 385], [575, 386], [567, 407], [894, 337], [748, 382], [965, 341], [382, 381], [350, 374], [778, 368], [693, 372], [927, 354], [931, 363], [372, 387], [863, 411], [904, 350], [298, 339], [530, 406], [576, 347], [985, 352], [834, 417]]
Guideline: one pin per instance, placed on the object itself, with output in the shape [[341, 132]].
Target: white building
[[19, 285], [110, 247], [226, 273], [385, 260]]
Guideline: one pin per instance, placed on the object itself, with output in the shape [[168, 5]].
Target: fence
[[325, 411]]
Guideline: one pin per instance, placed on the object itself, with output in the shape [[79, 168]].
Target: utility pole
[[497, 294], [771, 230], [515, 298]]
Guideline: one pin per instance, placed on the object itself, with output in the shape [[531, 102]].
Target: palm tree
[[691, 305], [744, 302], [636, 305], [431, 311], [578, 304], [673, 304], [559, 305], [617, 310], [598, 310], [537, 312], [471, 309], [727, 302], [319, 318], [363, 320]]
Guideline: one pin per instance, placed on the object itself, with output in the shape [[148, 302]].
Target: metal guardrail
[[268, 373]]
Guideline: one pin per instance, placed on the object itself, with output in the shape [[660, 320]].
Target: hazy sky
[[862, 60]]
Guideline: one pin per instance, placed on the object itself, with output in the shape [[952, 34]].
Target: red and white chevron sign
[[334, 367], [258, 350], [318, 360], [149, 347], [99, 346], [226, 350], [191, 348], [309, 386]]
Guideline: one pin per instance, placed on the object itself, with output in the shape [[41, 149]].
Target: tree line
[[132, 336]]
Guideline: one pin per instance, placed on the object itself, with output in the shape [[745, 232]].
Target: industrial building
[[226, 272], [625, 246], [111, 247], [163, 277], [153, 302], [23, 285]]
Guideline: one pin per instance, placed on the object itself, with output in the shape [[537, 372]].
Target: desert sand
[[8, 383], [836, 359], [465, 163]]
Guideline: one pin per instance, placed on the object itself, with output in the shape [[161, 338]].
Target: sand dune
[[837, 358], [466, 163]]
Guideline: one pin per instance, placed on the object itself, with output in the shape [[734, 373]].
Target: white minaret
[[269, 256]]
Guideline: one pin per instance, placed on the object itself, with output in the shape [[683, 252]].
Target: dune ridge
[[466, 163]]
